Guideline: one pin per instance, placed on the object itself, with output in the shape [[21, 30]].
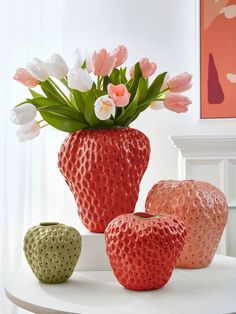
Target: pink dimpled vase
[[203, 209]]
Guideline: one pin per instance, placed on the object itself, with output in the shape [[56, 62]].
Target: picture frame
[[217, 26]]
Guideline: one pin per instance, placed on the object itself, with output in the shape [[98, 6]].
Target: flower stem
[[98, 83], [60, 91], [43, 126], [165, 90]]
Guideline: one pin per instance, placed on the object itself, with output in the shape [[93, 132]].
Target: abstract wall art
[[218, 58]]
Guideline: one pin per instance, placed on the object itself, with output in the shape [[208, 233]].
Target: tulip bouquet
[[95, 93]]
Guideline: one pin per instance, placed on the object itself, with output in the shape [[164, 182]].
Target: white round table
[[210, 290]]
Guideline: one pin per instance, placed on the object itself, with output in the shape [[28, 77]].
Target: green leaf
[[98, 93], [123, 78], [156, 85], [105, 83], [108, 123], [129, 84], [89, 112], [51, 92], [135, 82], [141, 91], [80, 99], [35, 94], [62, 122], [84, 65], [119, 112], [115, 77], [43, 101], [64, 110], [132, 108], [127, 123]]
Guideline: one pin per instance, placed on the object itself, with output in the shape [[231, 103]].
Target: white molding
[[205, 145]]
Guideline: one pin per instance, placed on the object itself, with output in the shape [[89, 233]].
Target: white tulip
[[88, 60], [79, 79], [37, 69], [157, 105], [28, 131], [104, 108], [56, 66], [79, 60], [23, 114]]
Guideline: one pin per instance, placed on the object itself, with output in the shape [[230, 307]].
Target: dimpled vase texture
[[143, 249], [52, 251], [204, 211], [103, 168]]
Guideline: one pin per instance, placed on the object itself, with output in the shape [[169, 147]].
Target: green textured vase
[[52, 251]]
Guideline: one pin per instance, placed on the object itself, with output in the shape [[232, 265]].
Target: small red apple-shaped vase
[[203, 209], [143, 249]]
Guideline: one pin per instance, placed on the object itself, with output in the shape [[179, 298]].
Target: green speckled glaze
[[52, 251]]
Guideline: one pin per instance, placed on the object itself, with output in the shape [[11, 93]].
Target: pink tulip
[[177, 103], [180, 83], [23, 76], [119, 94], [103, 63], [121, 54], [147, 68]]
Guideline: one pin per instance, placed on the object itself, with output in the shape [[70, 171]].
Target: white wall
[[31, 187], [167, 32]]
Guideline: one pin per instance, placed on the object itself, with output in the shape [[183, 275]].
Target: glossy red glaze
[[103, 168], [143, 249], [204, 211]]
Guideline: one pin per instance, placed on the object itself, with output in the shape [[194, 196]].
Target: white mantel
[[212, 158], [205, 145]]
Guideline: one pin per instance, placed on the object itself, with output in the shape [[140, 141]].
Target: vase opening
[[144, 215], [46, 224]]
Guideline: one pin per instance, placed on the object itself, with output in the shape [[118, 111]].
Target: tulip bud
[[56, 66], [24, 77], [79, 60], [147, 68], [79, 79], [119, 94], [23, 114], [88, 60], [177, 103], [121, 54], [180, 83], [28, 131], [37, 70], [103, 63]]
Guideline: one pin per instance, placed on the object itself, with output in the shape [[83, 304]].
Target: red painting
[[218, 58]]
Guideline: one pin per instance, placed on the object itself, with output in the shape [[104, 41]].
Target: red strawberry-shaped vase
[[143, 249], [103, 168], [204, 211]]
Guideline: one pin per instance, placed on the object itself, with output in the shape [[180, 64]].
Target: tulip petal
[[56, 66], [104, 108], [79, 79], [28, 131], [103, 63], [79, 60], [119, 94], [37, 70], [23, 114], [24, 77]]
